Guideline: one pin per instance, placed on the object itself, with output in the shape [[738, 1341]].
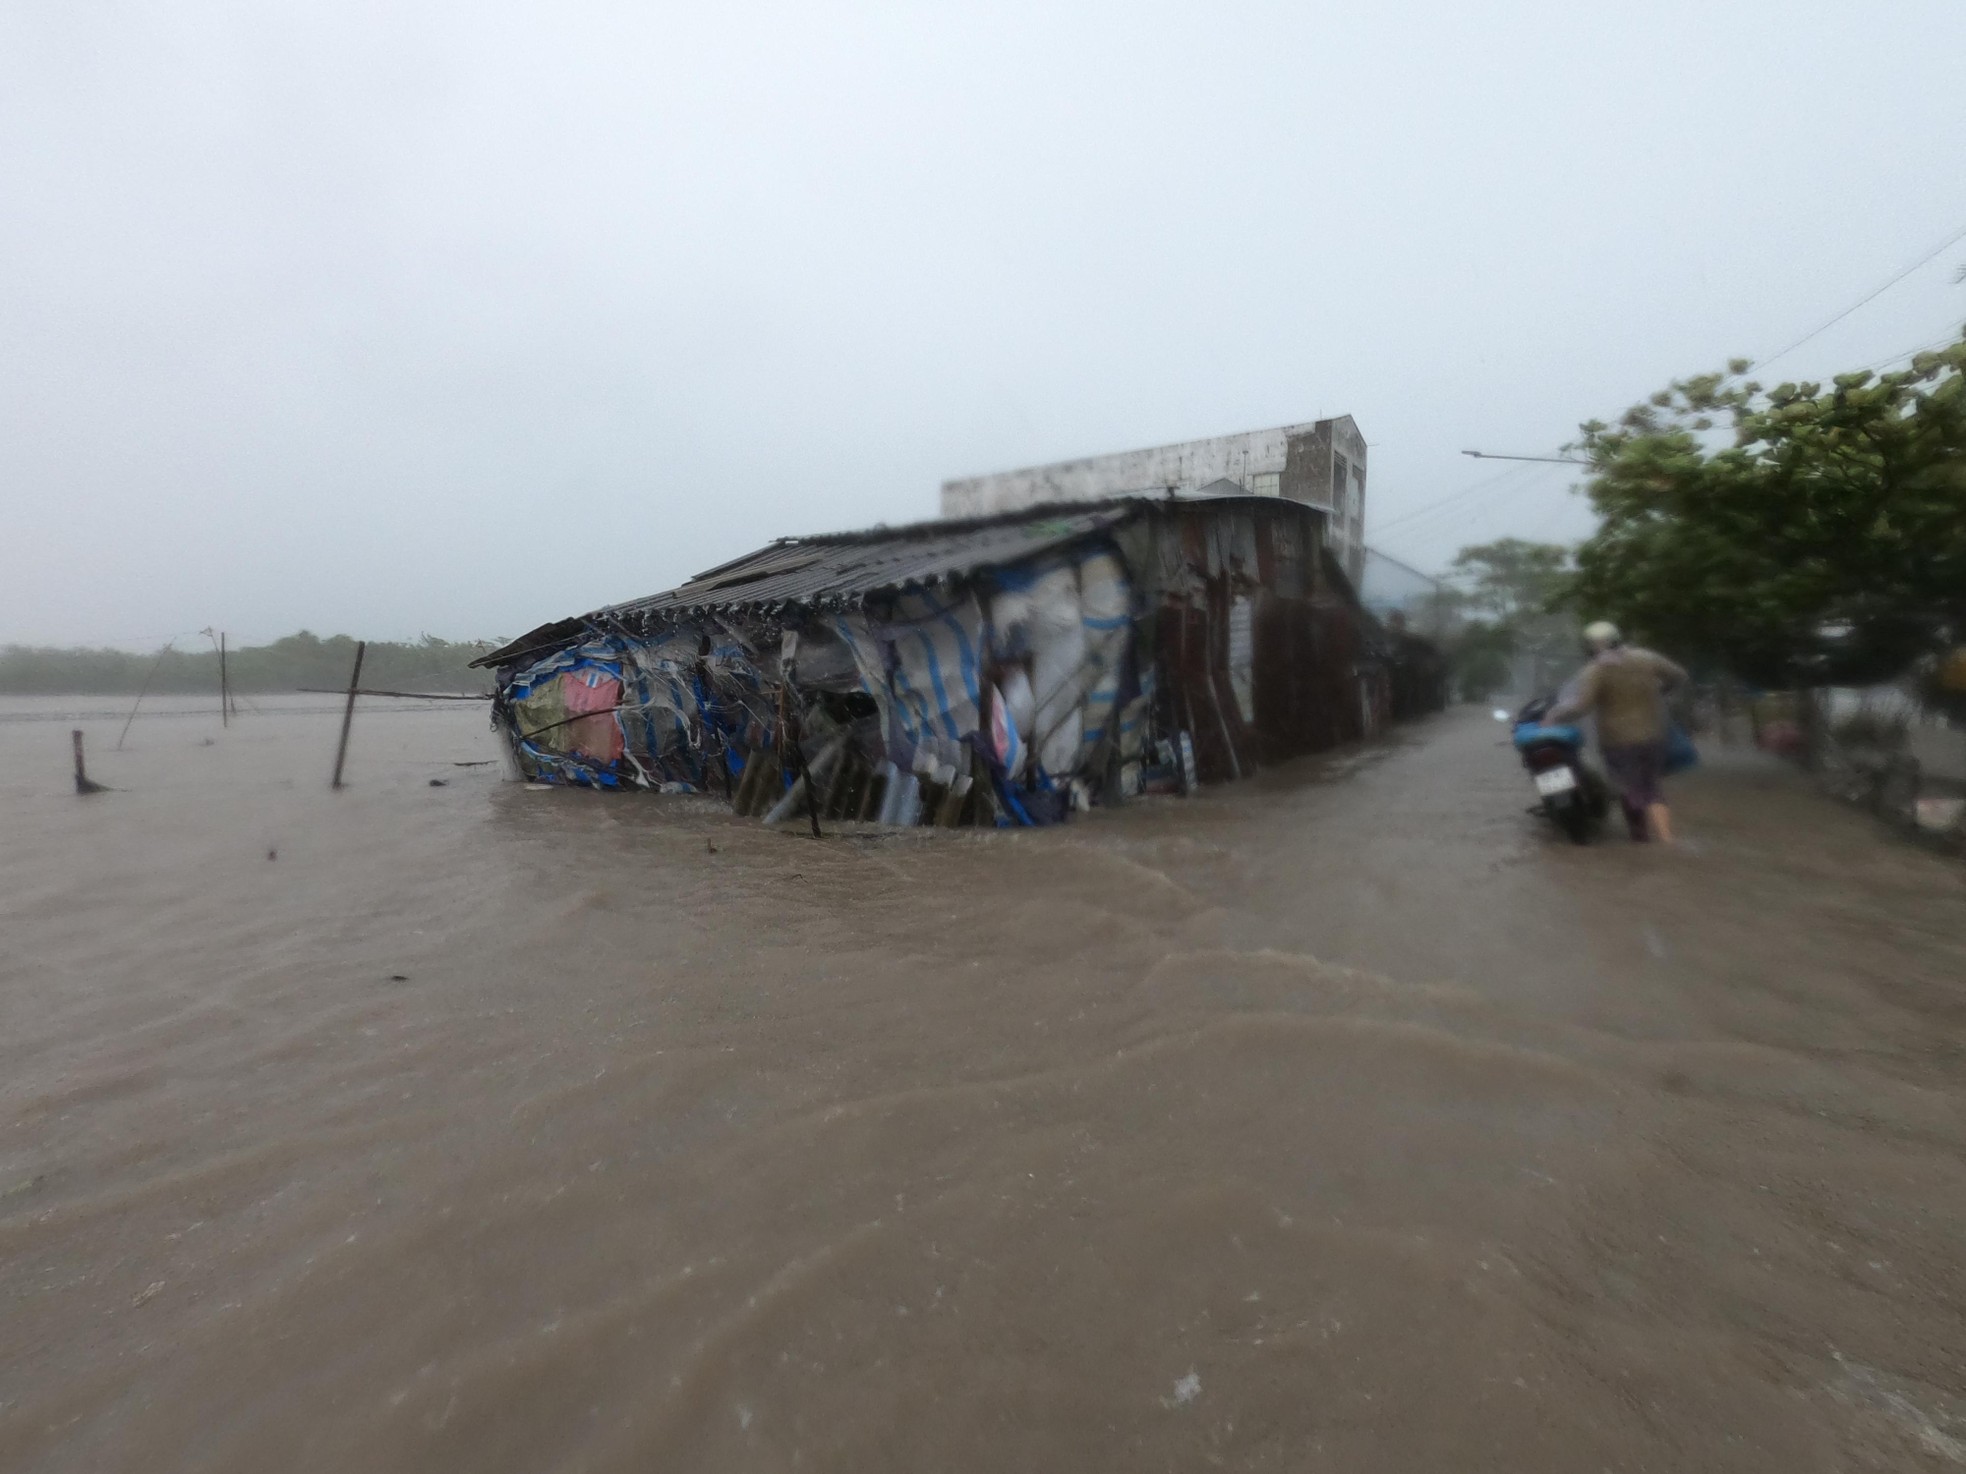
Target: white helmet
[[1603, 635]]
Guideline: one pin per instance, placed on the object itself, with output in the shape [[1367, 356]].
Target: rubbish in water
[[272, 854], [399, 977], [1187, 1389], [440, 782]]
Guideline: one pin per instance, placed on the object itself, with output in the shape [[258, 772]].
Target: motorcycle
[[1570, 794]]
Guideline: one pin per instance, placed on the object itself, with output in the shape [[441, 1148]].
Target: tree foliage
[[1480, 658], [1511, 580], [1511, 588], [1824, 542]]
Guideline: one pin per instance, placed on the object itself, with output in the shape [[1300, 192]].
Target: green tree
[[1511, 580], [1516, 588], [1480, 658], [1825, 544]]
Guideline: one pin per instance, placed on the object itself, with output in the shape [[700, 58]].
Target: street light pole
[[1489, 455]]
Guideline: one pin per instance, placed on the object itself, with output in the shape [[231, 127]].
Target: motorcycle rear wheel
[[1574, 819]]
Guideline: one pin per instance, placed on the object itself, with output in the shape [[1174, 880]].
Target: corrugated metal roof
[[843, 568]]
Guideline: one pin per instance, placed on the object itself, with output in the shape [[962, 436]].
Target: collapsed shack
[[994, 670]]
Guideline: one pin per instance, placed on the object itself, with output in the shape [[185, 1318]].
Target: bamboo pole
[[149, 676], [348, 712]]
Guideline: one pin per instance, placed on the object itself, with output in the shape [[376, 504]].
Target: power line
[[1950, 241], [1449, 528], [1447, 500], [1408, 520], [1938, 342], [1454, 526], [1459, 511]]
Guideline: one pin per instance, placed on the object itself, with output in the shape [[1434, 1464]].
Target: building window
[[1265, 483]]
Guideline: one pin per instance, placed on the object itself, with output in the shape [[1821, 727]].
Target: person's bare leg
[[1659, 817]]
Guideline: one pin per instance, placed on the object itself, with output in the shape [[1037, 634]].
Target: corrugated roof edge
[[557, 634], [936, 527]]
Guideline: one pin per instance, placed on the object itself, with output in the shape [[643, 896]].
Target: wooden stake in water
[[82, 783], [224, 686], [348, 712]]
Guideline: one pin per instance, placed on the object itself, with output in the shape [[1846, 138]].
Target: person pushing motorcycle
[[1625, 688]]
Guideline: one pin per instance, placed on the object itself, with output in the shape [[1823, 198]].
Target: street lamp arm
[[1489, 455]]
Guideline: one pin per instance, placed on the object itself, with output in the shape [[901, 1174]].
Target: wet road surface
[[1339, 1120]]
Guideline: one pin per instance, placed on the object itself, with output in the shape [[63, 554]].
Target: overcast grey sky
[[391, 317]]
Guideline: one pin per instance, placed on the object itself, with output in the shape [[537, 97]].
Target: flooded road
[[1334, 1120]]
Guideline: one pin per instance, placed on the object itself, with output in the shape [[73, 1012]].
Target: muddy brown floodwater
[[1337, 1120]]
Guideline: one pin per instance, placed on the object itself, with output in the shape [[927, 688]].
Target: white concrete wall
[[1347, 506], [1295, 461], [1186, 467]]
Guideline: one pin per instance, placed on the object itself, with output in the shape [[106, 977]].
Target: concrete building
[[1321, 464]]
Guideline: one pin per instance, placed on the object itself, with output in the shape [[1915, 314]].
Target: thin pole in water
[[224, 686], [149, 676], [348, 712]]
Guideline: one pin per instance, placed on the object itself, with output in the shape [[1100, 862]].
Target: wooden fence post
[[82, 783]]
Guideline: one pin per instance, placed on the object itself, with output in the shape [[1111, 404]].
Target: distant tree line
[[287, 664]]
